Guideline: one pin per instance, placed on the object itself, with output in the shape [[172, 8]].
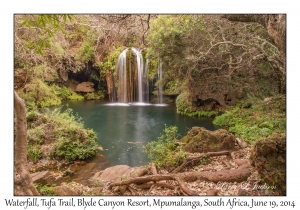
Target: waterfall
[[132, 77], [122, 77], [146, 82], [160, 84], [140, 69]]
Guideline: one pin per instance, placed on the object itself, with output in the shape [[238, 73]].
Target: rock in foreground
[[198, 139]]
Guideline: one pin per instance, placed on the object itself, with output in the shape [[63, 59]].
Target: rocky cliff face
[[215, 89]]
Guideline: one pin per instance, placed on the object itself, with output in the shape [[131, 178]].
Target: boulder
[[114, 173], [198, 139], [86, 87], [45, 178], [268, 156], [119, 173]]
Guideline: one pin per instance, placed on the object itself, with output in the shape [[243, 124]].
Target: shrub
[[64, 130], [183, 104], [33, 153], [62, 92], [75, 96], [164, 152], [98, 95], [73, 147], [39, 94], [254, 122], [44, 190]]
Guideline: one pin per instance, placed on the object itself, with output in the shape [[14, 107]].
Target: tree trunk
[[23, 184]]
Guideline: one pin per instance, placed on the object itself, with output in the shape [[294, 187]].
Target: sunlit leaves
[[44, 27]]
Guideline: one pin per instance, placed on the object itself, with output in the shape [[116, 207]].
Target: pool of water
[[123, 129]]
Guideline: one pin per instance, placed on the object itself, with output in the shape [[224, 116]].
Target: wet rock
[[198, 139], [86, 87], [268, 156]]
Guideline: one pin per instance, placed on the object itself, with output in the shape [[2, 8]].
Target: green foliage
[[97, 95], [35, 135], [87, 50], [168, 41], [204, 160], [44, 190], [98, 183], [108, 64], [262, 119], [164, 152], [33, 153], [198, 113], [43, 72], [71, 148], [185, 107], [39, 94], [61, 91], [76, 97], [64, 130], [172, 87], [170, 30], [44, 25], [183, 104]]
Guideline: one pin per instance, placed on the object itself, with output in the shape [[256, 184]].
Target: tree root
[[153, 168], [184, 188], [234, 175], [194, 160]]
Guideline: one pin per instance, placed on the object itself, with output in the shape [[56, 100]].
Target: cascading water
[[140, 69], [146, 82], [160, 85], [122, 77], [132, 77]]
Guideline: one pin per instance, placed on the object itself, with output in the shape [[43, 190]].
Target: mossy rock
[[199, 139], [268, 156]]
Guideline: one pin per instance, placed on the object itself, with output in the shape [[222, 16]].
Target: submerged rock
[[198, 139]]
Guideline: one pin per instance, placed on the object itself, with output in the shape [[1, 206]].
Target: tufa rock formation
[[198, 139], [268, 156], [86, 87]]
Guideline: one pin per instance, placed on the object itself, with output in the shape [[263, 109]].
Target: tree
[[23, 184], [274, 23], [43, 27], [218, 61]]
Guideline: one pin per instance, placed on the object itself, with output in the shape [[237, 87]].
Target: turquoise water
[[123, 130]]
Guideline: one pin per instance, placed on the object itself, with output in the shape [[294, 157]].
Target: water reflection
[[124, 129]]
